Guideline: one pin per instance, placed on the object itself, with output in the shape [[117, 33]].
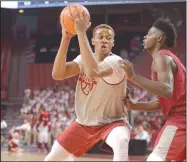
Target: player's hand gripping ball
[[69, 15]]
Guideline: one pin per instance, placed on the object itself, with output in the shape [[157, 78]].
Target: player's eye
[[100, 37]]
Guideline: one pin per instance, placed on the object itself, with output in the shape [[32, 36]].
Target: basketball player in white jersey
[[98, 98]]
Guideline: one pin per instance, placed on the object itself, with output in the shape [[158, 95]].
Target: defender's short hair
[[165, 25]]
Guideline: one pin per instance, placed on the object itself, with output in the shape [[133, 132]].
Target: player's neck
[[153, 51], [156, 50], [101, 57]]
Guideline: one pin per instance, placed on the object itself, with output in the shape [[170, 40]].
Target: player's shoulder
[[166, 55], [78, 56], [113, 57], [163, 58]]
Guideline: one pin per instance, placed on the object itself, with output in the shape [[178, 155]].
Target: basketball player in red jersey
[[168, 83], [101, 87], [43, 128]]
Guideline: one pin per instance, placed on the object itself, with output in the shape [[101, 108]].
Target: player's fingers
[[77, 21], [127, 97], [89, 24], [125, 62], [84, 15], [77, 16], [124, 101], [125, 66], [81, 15], [121, 65], [122, 61], [128, 62]]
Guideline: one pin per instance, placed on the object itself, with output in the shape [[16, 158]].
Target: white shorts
[[43, 137]]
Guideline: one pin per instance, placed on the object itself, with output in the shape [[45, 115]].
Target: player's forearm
[[146, 106], [60, 60], [89, 62], [102, 73], [154, 87]]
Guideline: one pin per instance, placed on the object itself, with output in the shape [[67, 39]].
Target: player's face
[[103, 40], [151, 38]]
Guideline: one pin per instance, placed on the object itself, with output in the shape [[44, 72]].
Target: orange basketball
[[69, 13]]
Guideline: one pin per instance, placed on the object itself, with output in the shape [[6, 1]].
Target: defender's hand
[[128, 67], [128, 103]]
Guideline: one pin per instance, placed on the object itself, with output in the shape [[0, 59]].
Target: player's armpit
[[71, 69]]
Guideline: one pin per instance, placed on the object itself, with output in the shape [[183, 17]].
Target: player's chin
[[145, 47], [104, 50]]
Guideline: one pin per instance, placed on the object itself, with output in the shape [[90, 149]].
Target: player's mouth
[[103, 46], [144, 43]]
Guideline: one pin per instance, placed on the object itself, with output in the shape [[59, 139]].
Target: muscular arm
[[89, 62], [92, 67], [104, 70], [146, 106], [164, 86], [61, 68]]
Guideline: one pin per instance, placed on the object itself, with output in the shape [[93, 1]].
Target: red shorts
[[77, 139], [171, 141]]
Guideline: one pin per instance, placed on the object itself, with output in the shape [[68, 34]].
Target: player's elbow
[[57, 76], [91, 73]]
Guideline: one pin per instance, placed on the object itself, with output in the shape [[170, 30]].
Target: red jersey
[[45, 118], [178, 101]]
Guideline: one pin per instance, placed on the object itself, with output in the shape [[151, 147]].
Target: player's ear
[[113, 42], [160, 38]]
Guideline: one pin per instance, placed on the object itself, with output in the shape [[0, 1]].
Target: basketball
[[69, 14]]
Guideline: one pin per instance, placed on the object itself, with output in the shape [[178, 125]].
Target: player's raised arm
[[89, 62], [91, 65], [61, 68]]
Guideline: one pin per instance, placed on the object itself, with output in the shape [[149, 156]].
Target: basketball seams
[[69, 14], [69, 8], [78, 11], [63, 22]]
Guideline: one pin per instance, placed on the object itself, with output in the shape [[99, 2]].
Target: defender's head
[[162, 34]]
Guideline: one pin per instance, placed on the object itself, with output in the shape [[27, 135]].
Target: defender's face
[[150, 39], [103, 40]]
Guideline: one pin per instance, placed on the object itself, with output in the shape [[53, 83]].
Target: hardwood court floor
[[33, 156]]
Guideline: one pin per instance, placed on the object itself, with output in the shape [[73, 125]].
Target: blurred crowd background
[[33, 103]]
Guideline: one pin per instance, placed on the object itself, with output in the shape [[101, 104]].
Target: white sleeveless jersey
[[100, 100]]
